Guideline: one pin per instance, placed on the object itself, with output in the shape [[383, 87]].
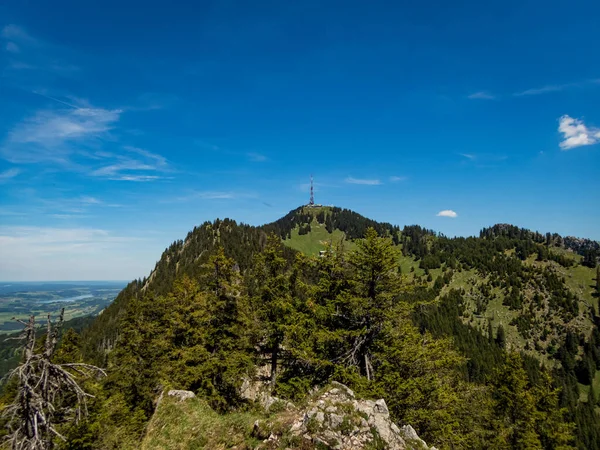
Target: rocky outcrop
[[334, 418], [257, 390], [181, 395]]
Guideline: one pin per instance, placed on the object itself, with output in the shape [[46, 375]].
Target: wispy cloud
[[55, 236], [447, 213], [364, 181], [126, 168], [48, 135], [9, 174], [546, 89], [481, 95], [161, 161], [87, 200], [468, 156], [48, 253], [12, 47], [29, 53], [256, 157], [550, 88], [576, 133], [212, 195], [16, 33], [397, 179]]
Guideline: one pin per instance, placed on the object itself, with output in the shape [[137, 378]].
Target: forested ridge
[[480, 342]]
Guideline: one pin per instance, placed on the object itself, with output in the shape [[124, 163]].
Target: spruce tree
[[514, 407], [500, 337], [375, 288], [273, 298]]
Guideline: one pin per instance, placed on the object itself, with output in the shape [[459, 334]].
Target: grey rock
[[320, 417], [181, 395], [335, 421], [348, 391], [381, 407], [410, 434]]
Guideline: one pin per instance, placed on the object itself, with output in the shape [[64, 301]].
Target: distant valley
[[79, 298]]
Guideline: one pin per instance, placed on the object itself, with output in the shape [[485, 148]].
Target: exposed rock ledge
[[335, 419]]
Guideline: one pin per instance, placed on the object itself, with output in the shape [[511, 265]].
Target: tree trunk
[[274, 357]]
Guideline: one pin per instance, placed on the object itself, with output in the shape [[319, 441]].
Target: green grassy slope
[[315, 240], [192, 424]]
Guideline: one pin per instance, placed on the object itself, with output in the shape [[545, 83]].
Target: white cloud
[[369, 182], [546, 89], [468, 156], [481, 95], [576, 133], [48, 134], [128, 169], [396, 179], [9, 174], [447, 213], [87, 200], [141, 178], [160, 160]]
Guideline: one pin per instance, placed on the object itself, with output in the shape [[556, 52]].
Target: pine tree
[[500, 337], [514, 407], [364, 308], [273, 298], [552, 425]]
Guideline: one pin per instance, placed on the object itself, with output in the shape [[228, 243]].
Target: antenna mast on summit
[[312, 193]]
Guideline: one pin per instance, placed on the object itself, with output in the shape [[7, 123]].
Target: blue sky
[[124, 124]]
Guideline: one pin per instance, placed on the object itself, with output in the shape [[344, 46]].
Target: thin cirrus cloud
[[9, 174], [550, 88], [363, 181], [31, 59], [447, 213], [397, 179], [212, 195], [63, 136], [256, 157], [49, 134], [145, 167], [576, 133], [481, 95]]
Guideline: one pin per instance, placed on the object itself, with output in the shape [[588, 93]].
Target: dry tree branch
[[43, 391]]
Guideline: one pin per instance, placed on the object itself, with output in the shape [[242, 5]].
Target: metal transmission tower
[[312, 193]]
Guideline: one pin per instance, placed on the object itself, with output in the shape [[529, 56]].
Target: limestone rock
[[336, 419], [181, 395]]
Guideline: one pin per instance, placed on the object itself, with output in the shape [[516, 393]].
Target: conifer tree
[[500, 337], [514, 407], [552, 425], [374, 292], [273, 299]]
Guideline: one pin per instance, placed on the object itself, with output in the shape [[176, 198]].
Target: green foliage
[[231, 297]]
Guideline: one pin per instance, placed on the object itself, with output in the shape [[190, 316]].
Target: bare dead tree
[[47, 393]]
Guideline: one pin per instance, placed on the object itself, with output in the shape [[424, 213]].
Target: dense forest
[[481, 343]]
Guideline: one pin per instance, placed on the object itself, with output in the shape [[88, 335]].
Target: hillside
[[448, 330]]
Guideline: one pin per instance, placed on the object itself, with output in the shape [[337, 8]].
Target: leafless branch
[[46, 391]]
